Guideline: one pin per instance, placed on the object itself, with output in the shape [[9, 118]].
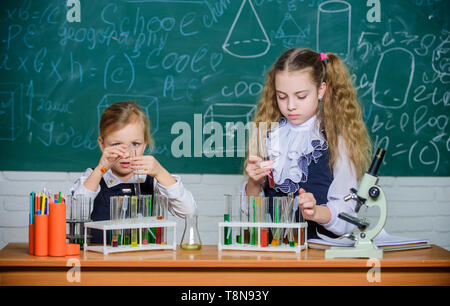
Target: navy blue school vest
[[319, 180], [101, 210]]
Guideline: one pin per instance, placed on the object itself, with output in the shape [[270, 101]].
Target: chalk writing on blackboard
[[178, 58]]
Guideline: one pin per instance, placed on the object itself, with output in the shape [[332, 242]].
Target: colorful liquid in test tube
[[125, 213], [143, 212], [161, 211], [133, 215], [276, 232], [265, 217], [114, 215]]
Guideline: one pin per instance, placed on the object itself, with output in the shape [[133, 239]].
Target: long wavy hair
[[339, 111]]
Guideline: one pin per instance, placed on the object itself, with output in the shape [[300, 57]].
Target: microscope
[[368, 194]]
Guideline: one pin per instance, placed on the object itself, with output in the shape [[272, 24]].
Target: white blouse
[[297, 140], [292, 148], [181, 201]]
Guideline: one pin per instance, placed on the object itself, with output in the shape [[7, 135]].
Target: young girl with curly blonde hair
[[320, 146]]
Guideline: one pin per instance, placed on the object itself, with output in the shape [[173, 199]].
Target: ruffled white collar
[[112, 180], [292, 148]]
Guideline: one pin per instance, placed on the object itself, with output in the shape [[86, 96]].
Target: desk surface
[[430, 260], [15, 254]]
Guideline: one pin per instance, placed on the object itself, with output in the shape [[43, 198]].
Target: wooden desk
[[212, 268]]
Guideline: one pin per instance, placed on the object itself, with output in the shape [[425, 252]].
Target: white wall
[[418, 207]]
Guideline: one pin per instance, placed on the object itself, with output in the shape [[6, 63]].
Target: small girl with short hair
[[320, 146], [124, 127]]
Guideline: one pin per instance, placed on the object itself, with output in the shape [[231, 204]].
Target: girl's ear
[[100, 143], [322, 89]]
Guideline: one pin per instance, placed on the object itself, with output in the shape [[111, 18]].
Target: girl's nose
[[291, 104]]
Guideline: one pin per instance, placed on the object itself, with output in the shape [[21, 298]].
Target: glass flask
[[191, 237]]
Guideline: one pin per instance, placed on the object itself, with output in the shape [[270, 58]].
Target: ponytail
[[341, 115]]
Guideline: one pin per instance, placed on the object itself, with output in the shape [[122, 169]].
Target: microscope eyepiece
[[376, 162]]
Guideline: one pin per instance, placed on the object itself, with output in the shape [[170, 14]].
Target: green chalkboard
[[206, 60]]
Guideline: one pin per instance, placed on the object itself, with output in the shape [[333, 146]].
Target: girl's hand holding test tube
[[147, 164], [257, 170], [111, 155]]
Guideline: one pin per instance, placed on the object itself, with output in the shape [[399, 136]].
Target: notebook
[[382, 240]]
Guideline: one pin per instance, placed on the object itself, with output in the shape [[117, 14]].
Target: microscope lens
[[376, 162]]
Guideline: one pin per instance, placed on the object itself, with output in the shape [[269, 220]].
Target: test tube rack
[[139, 224], [259, 226]]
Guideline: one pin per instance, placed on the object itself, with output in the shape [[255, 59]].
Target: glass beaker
[[191, 237]]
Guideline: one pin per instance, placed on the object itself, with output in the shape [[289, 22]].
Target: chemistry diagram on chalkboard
[[242, 43], [334, 17], [229, 116], [290, 29]]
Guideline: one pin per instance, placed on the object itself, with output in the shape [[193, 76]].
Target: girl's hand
[[145, 164], [111, 155], [256, 174], [254, 171], [307, 204]]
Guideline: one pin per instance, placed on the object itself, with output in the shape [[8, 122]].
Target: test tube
[[125, 214], [253, 212], [301, 220], [227, 217], [151, 232], [245, 209], [86, 209], [265, 217], [69, 208], [165, 216], [137, 185], [161, 212], [133, 215], [235, 216], [76, 217], [74, 208], [287, 217], [276, 209], [69, 220], [114, 216], [142, 213], [242, 217]]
